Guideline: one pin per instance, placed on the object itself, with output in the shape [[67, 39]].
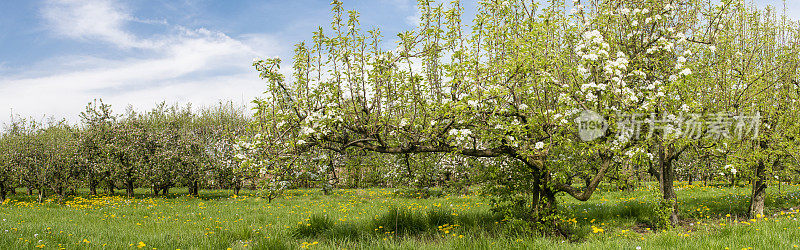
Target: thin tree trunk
[[92, 184], [759, 191], [41, 194], [2, 191], [92, 188], [195, 187], [667, 189], [543, 200], [110, 187], [236, 187], [129, 188]]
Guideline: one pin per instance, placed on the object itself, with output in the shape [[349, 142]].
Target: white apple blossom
[[403, 122], [307, 131], [591, 97]]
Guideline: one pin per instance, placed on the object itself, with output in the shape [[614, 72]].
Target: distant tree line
[[168, 146]]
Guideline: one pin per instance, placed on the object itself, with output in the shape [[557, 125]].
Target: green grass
[[379, 218]]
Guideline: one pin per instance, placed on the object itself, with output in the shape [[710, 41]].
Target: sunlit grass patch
[[378, 218]]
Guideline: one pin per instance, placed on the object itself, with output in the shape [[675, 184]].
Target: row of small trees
[[165, 147]]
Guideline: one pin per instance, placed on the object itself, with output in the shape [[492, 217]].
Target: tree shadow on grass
[[692, 208], [397, 222]]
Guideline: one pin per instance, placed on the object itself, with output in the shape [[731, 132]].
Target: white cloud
[[189, 71], [102, 20], [262, 44], [414, 20], [189, 53], [402, 4], [184, 65]]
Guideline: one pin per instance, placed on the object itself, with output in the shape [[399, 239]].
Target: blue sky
[[55, 56]]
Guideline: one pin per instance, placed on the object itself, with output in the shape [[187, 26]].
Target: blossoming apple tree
[[508, 89], [517, 87]]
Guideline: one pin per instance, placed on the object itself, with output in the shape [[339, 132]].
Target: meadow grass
[[712, 218]]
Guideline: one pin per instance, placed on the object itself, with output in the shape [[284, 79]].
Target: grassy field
[[714, 218]]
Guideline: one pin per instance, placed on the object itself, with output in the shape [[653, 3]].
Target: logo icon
[[591, 125]]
